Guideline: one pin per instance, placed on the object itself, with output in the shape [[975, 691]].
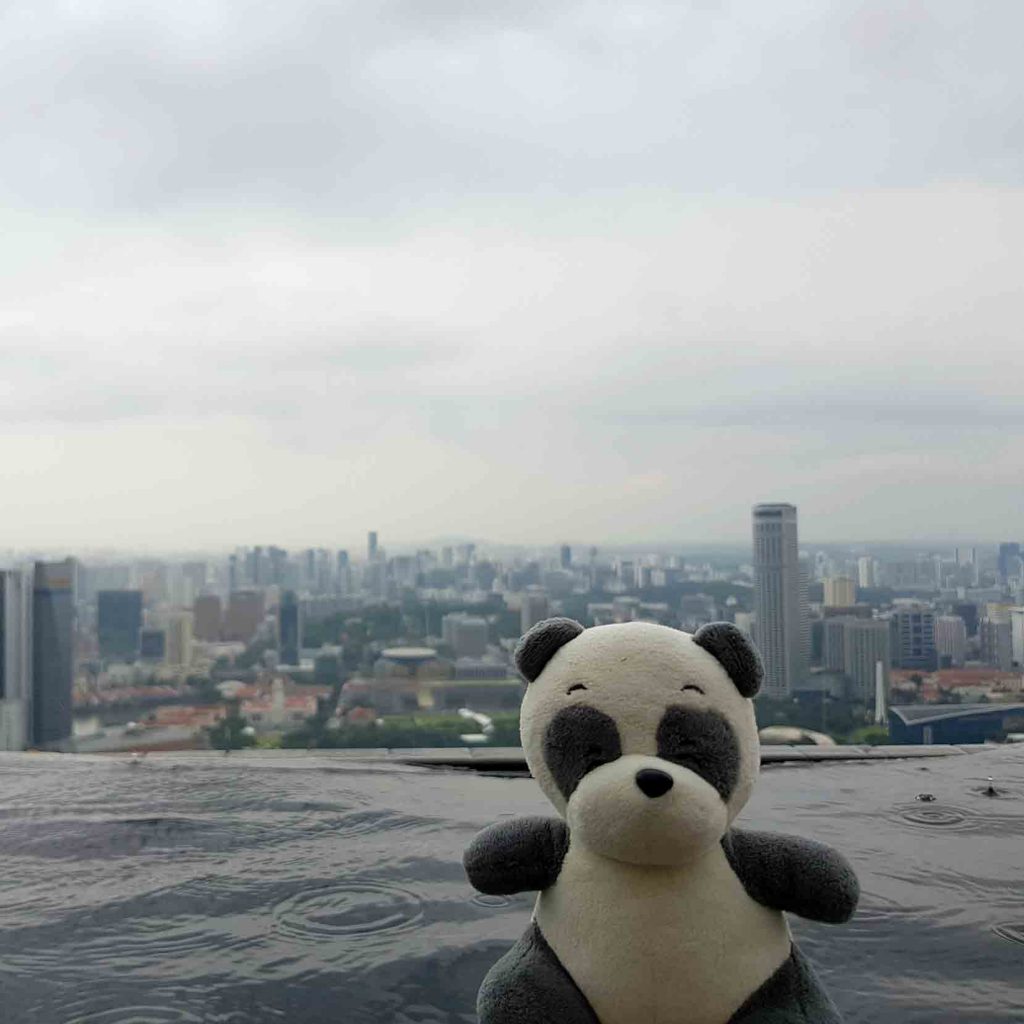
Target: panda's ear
[[537, 646], [732, 649]]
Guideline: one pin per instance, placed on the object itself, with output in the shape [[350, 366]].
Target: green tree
[[233, 731]]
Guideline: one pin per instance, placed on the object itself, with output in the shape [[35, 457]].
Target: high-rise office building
[[565, 556], [15, 659], [196, 575], [342, 573], [244, 615], [913, 638], [840, 592], [289, 628], [866, 644], [967, 566], [1009, 561], [968, 611], [780, 598], [866, 571], [467, 635], [855, 646], [277, 559], [950, 641], [53, 650], [179, 639], [833, 642], [371, 546], [1017, 637], [995, 635], [534, 609], [207, 616], [152, 644], [118, 621]]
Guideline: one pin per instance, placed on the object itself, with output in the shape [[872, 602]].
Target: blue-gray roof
[[921, 714]]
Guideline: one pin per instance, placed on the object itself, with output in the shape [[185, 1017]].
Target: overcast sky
[[524, 271]]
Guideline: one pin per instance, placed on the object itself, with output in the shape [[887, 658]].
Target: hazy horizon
[[522, 271], [500, 548]]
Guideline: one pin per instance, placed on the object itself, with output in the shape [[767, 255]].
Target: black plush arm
[[519, 855], [797, 875]]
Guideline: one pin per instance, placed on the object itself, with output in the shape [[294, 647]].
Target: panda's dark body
[[651, 908]]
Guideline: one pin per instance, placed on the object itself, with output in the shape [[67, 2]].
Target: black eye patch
[[704, 742], [578, 740]]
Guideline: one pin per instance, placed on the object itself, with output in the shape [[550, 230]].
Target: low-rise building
[[954, 723]]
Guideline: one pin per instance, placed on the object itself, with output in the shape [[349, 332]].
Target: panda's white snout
[[653, 782]]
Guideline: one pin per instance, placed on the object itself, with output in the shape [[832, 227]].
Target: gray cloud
[[352, 107], [521, 270]]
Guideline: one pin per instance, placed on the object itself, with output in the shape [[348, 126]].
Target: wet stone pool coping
[[318, 886], [513, 758]]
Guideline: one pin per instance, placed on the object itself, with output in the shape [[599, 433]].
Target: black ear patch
[[538, 645], [732, 649]]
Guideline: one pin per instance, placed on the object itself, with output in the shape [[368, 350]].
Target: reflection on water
[[302, 889]]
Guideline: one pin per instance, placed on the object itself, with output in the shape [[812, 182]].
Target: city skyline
[[354, 546], [153, 638]]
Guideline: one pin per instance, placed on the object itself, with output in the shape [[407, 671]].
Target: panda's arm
[[796, 875], [519, 855]]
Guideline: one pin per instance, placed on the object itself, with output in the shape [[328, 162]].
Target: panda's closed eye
[[691, 686], [576, 686]]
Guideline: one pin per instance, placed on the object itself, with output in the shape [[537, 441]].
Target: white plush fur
[[647, 915]]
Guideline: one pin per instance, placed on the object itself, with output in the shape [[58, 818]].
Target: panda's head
[[642, 736]]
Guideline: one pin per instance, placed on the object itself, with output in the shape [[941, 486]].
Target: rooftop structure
[[954, 723]]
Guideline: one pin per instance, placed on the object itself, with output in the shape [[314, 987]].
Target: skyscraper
[[53, 634], [466, 634], [866, 642], [950, 640], [289, 628], [534, 609], [840, 592], [152, 644], [244, 615], [1009, 561], [208, 617], [15, 660], [118, 621], [865, 571], [913, 637], [343, 583], [178, 631], [371, 546], [780, 598]]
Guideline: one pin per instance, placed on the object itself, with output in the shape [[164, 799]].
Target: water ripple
[[135, 1015], [1012, 931], [491, 902], [934, 816], [348, 911]]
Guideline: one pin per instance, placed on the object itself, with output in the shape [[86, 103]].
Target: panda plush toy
[[652, 908]]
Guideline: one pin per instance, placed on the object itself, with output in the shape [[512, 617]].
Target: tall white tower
[[780, 598]]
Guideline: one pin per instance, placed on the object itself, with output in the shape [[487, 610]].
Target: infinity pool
[[305, 888]]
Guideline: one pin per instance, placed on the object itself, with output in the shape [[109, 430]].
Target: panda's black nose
[[653, 782]]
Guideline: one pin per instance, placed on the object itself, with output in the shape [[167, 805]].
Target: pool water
[[308, 888]]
